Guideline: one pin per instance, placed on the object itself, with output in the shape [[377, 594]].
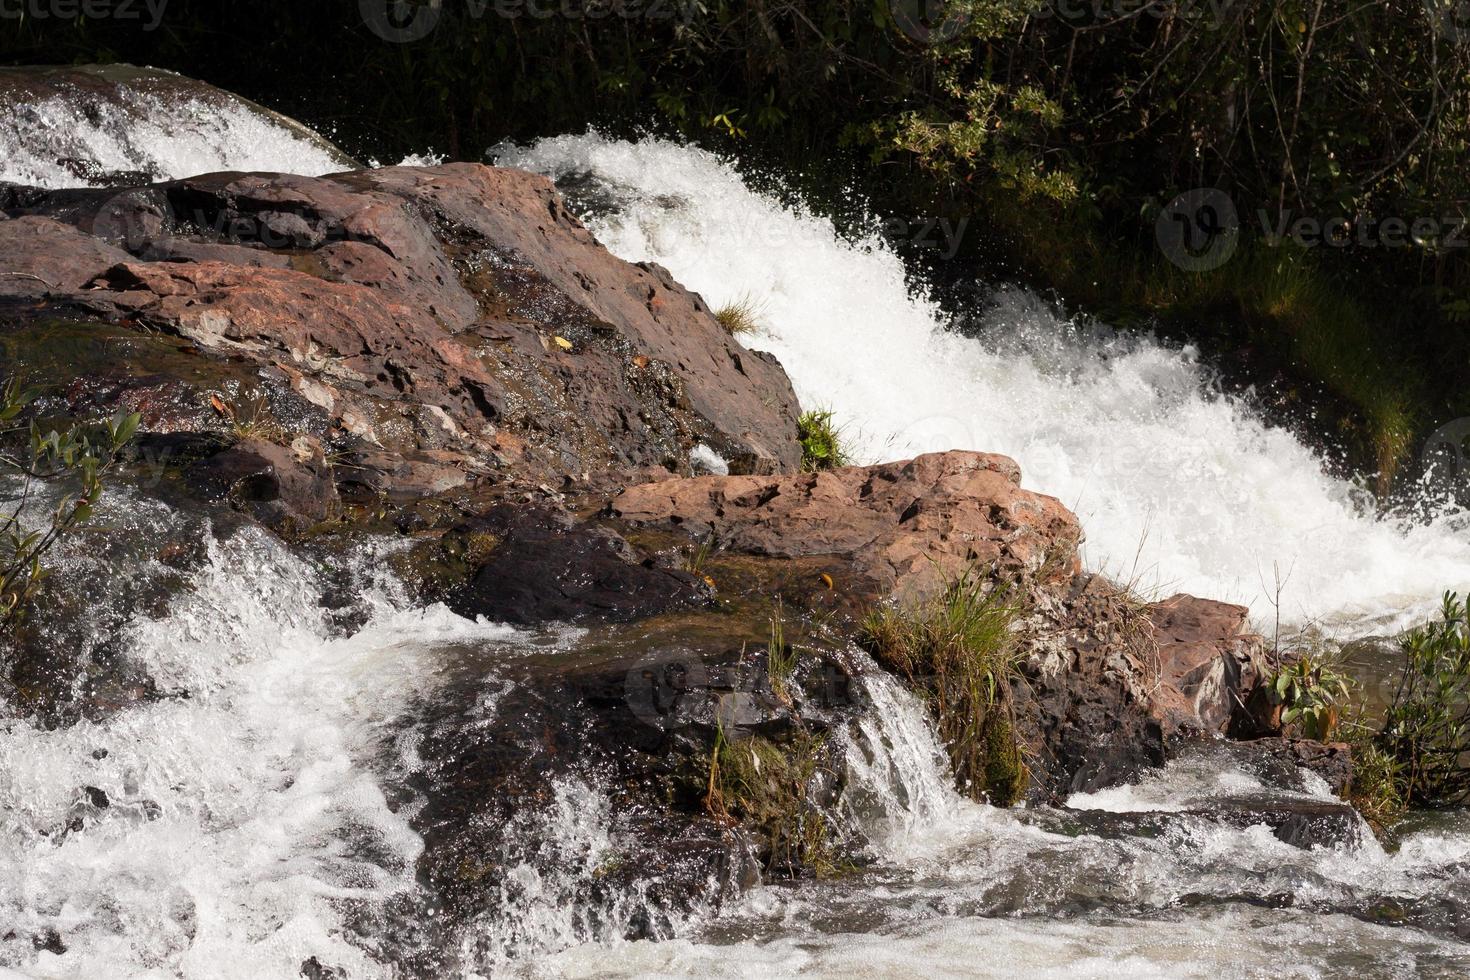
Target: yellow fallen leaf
[[827, 581], [709, 580], [563, 343]]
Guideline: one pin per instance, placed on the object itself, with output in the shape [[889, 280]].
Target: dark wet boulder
[[543, 567], [274, 483]]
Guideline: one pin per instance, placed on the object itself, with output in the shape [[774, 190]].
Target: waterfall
[[1178, 486]]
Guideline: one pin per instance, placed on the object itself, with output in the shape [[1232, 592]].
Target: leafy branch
[[80, 453]]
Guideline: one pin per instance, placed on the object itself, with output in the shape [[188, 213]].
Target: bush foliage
[[1426, 731]]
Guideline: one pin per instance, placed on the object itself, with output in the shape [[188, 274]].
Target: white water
[[164, 138], [247, 820], [1176, 486], [966, 890], [249, 823]]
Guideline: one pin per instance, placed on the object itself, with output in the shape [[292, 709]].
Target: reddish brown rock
[[906, 527], [456, 311], [40, 256], [1208, 660], [1110, 682]]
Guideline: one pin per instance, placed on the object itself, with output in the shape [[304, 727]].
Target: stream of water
[[257, 824]]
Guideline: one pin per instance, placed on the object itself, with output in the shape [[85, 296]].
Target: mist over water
[[1178, 486]]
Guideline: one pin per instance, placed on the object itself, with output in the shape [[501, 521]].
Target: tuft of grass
[[249, 414], [1377, 787], [821, 443], [959, 651], [740, 316], [780, 656], [766, 786], [696, 558]]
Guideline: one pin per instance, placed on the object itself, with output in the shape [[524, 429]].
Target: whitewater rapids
[[1179, 488]]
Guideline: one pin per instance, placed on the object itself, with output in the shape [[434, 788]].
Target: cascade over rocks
[[119, 102], [1110, 681], [446, 354]]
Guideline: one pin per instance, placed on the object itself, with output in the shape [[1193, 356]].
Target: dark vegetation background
[[1062, 130]]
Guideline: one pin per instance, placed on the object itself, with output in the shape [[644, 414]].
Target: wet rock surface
[[456, 310], [1110, 682]]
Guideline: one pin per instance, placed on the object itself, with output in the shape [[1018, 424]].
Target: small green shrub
[[959, 651], [1312, 693], [1426, 729], [79, 454], [821, 443]]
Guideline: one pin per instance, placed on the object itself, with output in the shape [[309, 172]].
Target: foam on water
[[165, 139], [1175, 485], [1235, 942], [247, 821], [963, 889]]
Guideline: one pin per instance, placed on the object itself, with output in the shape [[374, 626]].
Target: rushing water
[[1176, 486], [259, 810], [164, 139], [961, 889]]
